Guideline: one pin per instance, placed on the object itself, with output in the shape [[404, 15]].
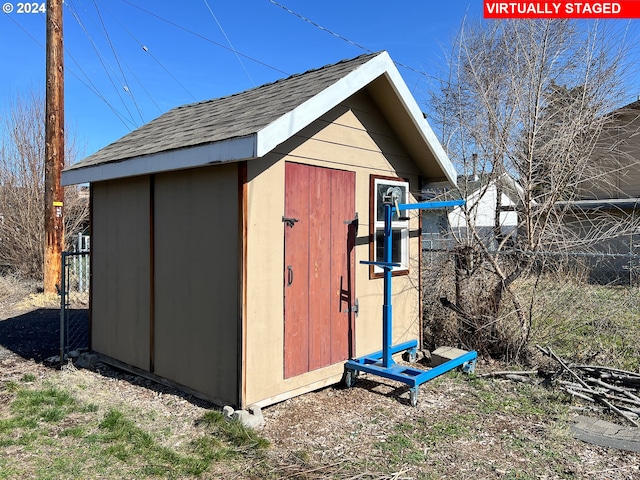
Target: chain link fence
[[563, 295], [74, 304]]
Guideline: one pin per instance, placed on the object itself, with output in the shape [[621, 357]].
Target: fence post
[[62, 291]]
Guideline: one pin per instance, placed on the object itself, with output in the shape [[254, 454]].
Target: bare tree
[[22, 187], [528, 99]]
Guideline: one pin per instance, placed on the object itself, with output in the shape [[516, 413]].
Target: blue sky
[[113, 85]]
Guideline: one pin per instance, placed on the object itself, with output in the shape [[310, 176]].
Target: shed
[[227, 234]]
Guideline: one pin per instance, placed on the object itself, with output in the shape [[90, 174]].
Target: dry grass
[[18, 295], [12, 291], [463, 427]]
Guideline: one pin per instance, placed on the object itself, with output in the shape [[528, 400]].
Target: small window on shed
[[399, 227]]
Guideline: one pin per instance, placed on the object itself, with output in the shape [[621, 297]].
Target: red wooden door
[[319, 267]]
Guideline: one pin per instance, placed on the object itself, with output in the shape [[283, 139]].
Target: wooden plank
[[243, 192], [320, 255], [296, 271], [343, 273], [318, 327]]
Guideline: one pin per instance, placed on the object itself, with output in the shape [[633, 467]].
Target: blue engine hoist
[[381, 363]]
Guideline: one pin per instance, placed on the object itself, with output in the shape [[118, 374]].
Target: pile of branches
[[602, 388], [614, 390]]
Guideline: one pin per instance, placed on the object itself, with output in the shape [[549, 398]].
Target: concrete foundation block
[[444, 354], [251, 418], [227, 411]]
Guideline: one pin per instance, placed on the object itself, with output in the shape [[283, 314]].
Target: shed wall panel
[[121, 270], [196, 279], [365, 129]]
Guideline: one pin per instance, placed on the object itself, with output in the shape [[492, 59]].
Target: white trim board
[[232, 150]]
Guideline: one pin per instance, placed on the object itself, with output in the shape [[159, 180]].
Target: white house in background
[[440, 229]]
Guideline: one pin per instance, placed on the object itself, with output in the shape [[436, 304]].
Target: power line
[[115, 55], [229, 42], [90, 86], [142, 87], [317, 25], [124, 82], [206, 39], [345, 39], [99, 55], [146, 50]]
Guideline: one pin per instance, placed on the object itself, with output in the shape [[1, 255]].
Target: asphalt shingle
[[224, 118]]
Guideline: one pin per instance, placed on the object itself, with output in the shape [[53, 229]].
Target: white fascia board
[[412, 108], [515, 186], [235, 149], [292, 122], [306, 113]]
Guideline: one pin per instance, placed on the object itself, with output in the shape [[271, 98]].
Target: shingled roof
[[238, 127]]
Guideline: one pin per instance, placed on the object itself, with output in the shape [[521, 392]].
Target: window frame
[[375, 225]]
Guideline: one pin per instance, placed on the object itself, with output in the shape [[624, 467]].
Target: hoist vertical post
[[387, 312]]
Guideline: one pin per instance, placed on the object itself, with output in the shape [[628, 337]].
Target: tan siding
[[630, 179], [339, 140], [615, 170], [121, 270], [630, 154], [361, 129], [196, 279]]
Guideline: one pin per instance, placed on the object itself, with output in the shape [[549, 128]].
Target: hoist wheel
[[349, 378]]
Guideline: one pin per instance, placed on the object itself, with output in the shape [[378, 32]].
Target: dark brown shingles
[[223, 118]]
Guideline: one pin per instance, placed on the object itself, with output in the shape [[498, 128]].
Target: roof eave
[[284, 127], [631, 203], [307, 112], [292, 122], [231, 150]]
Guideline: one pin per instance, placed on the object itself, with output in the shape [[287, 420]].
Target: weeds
[[108, 442], [234, 432], [564, 306]]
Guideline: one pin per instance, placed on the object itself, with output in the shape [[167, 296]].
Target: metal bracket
[[352, 308], [355, 222], [290, 221]]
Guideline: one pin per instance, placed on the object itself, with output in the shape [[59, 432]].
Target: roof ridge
[[280, 80]]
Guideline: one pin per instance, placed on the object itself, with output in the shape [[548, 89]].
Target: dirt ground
[[460, 428]]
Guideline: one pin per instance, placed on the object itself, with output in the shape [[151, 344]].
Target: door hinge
[[353, 308], [353, 222]]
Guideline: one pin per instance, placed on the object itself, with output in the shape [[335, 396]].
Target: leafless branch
[[22, 187]]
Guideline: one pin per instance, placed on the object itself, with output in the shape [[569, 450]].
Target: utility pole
[[54, 148]]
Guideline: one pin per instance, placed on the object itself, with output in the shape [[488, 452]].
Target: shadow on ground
[[36, 334]]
